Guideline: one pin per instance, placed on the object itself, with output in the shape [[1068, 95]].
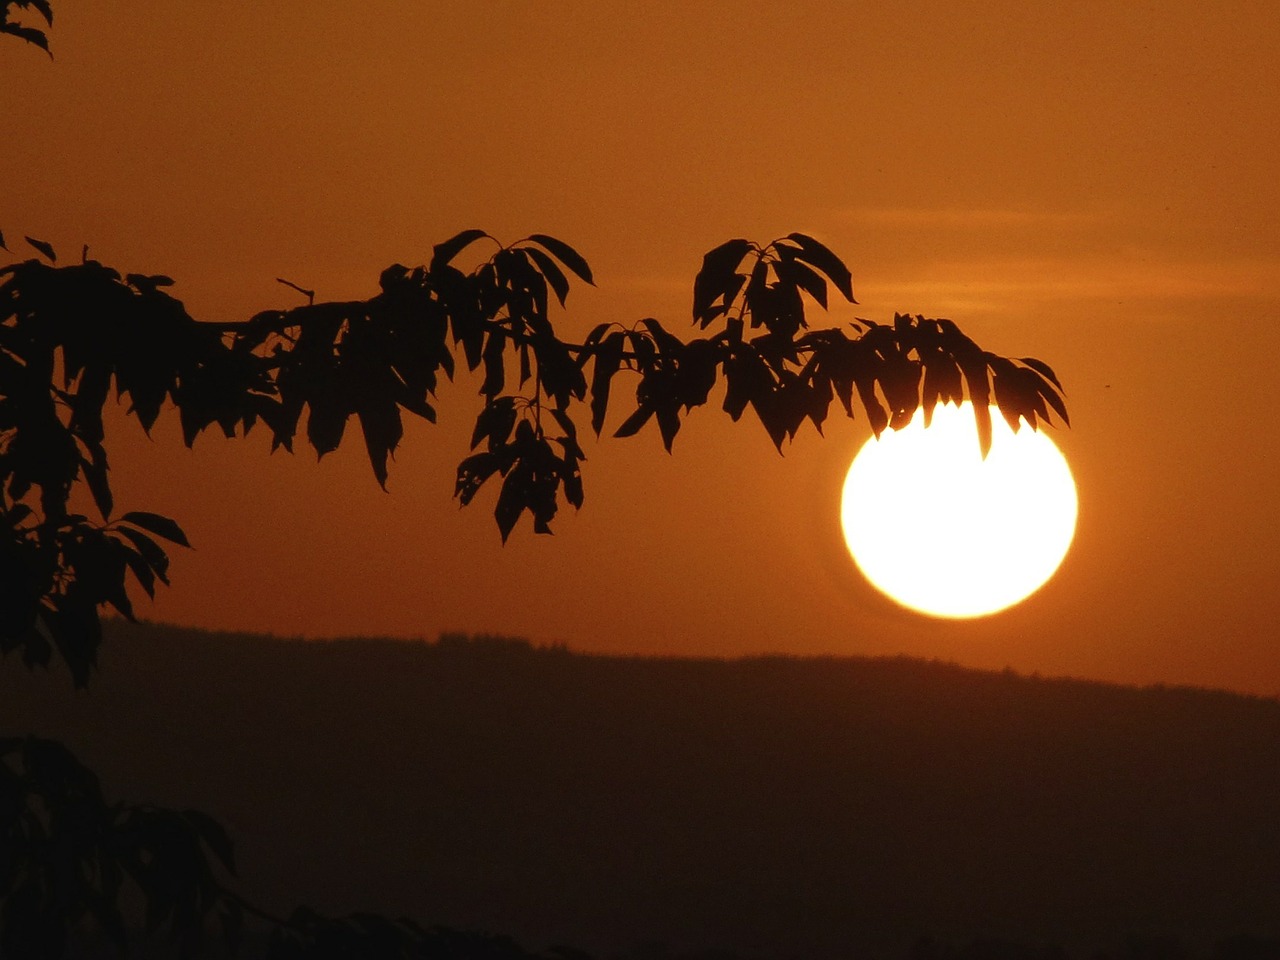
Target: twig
[[309, 294]]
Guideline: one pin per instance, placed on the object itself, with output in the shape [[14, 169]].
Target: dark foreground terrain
[[769, 807]]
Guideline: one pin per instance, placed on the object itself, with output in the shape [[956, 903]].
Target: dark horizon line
[[493, 642]]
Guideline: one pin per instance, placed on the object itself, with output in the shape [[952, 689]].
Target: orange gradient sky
[[1089, 183]]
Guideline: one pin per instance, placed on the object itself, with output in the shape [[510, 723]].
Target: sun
[[947, 533]]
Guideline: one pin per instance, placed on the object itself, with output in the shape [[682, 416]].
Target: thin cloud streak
[[960, 218], [996, 285]]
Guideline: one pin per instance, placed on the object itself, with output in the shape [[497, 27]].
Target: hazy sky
[[1089, 183]]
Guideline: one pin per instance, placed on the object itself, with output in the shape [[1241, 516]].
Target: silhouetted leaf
[[717, 277], [758, 293], [95, 473], [982, 417], [160, 526], [608, 359], [514, 498], [566, 424], [554, 275], [327, 421], [796, 273], [29, 34], [148, 283], [17, 513], [494, 366], [142, 571], [1054, 400], [526, 370], [45, 8], [697, 373], [821, 257], [877, 418], [668, 423], [150, 552], [942, 383], [2, 243], [1042, 368], [380, 422], [443, 253], [495, 422], [44, 248], [565, 254], [631, 426], [475, 470]]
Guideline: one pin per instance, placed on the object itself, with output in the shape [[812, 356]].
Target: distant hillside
[[774, 807]]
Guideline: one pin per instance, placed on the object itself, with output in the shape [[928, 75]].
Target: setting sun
[[945, 532]]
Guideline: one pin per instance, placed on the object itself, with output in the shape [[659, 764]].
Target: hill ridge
[[770, 806]]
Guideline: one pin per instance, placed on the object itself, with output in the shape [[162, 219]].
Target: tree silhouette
[[72, 335]]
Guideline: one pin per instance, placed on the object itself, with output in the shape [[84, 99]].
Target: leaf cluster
[[67, 857], [753, 302], [33, 35], [70, 861], [74, 337]]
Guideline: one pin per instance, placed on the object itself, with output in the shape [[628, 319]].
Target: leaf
[[443, 253], [29, 34], [717, 276], [608, 359], [148, 283], [758, 292], [45, 248], [149, 551], [154, 523], [668, 423], [17, 513], [942, 384], [566, 424], [327, 420], [526, 371], [106, 570], [982, 417], [1054, 399], [380, 421], [697, 372], [797, 274], [517, 490], [45, 8], [821, 257], [2, 244], [495, 423], [142, 571], [553, 274], [1041, 368], [473, 472], [95, 474], [566, 255], [877, 418], [631, 426], [494, 368]]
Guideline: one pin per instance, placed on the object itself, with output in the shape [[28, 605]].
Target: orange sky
[[1089, 183]]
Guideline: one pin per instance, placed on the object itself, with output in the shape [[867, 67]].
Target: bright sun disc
[[941, 530]]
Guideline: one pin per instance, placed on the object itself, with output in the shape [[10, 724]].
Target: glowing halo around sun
[[944, 532]]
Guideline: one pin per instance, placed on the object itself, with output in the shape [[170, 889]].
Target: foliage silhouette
[[26, 32], [68, 334], [71, 334], [66, 855]]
